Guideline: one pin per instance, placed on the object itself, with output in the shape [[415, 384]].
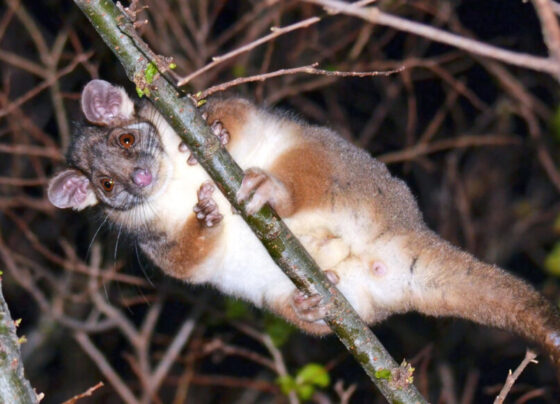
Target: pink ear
[[105, 104], [71, 189]]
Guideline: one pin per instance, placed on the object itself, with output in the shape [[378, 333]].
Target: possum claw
[[221, 132], [192, 161], [206, 208]]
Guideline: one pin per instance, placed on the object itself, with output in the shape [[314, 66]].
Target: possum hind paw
[[309, 308]]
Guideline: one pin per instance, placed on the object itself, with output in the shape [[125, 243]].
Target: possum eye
[[107, 184], [126, 140]]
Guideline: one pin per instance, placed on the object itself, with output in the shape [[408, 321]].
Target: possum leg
[[206, 208]]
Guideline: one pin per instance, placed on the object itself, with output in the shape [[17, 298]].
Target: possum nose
[[141, 177]]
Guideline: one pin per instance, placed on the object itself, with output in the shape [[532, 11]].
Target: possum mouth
[[138, 211]]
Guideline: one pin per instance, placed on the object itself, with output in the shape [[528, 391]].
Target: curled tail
[[450, 282]]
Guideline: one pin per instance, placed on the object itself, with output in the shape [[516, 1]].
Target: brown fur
[[232, 113], [193, 245], [482, 293], [303, 170]]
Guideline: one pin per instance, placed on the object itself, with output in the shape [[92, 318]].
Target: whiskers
[[141, 265], [117, 243], [141, 220], [95, 234]]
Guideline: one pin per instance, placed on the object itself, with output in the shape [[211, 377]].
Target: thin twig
[[30, 150], [276, 32], [229, 381], [179, 341], [512, 377], [279, 363], [309, 69], [45, 84], [422, 149], [105, 368], [376, 16], [22, 63], [22, 182], [86, 393], [550, 30]]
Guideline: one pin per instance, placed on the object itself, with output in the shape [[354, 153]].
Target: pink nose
[[142, 177]]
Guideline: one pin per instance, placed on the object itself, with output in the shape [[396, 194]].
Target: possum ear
[[71, 189], [105, 104]]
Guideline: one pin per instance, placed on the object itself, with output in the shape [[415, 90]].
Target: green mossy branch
[[118, 33]]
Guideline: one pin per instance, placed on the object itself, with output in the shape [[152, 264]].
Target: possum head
[[115, 161]]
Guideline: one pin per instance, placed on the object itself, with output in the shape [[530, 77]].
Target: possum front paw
[[217, 128], [206, 209], [258, 187]]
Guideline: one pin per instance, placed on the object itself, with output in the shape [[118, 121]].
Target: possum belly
[[247, 270]]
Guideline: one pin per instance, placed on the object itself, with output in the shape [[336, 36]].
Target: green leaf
[[552, 260], [313, 373], [172, 66], [150, 72], [287, 384], [278, 330], [305, 391], [307, 379], [383, 374], [140, 92]]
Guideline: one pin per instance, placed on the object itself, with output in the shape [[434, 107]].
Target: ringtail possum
[[361, 225]]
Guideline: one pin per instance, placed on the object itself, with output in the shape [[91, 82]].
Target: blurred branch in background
[[477, 139]]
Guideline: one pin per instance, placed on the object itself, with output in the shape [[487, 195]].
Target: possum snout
[[142, 177]]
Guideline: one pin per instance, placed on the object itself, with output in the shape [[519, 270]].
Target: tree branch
[[550, 30], [118, 33], [376, 16], [14, 387], [530, 357]]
